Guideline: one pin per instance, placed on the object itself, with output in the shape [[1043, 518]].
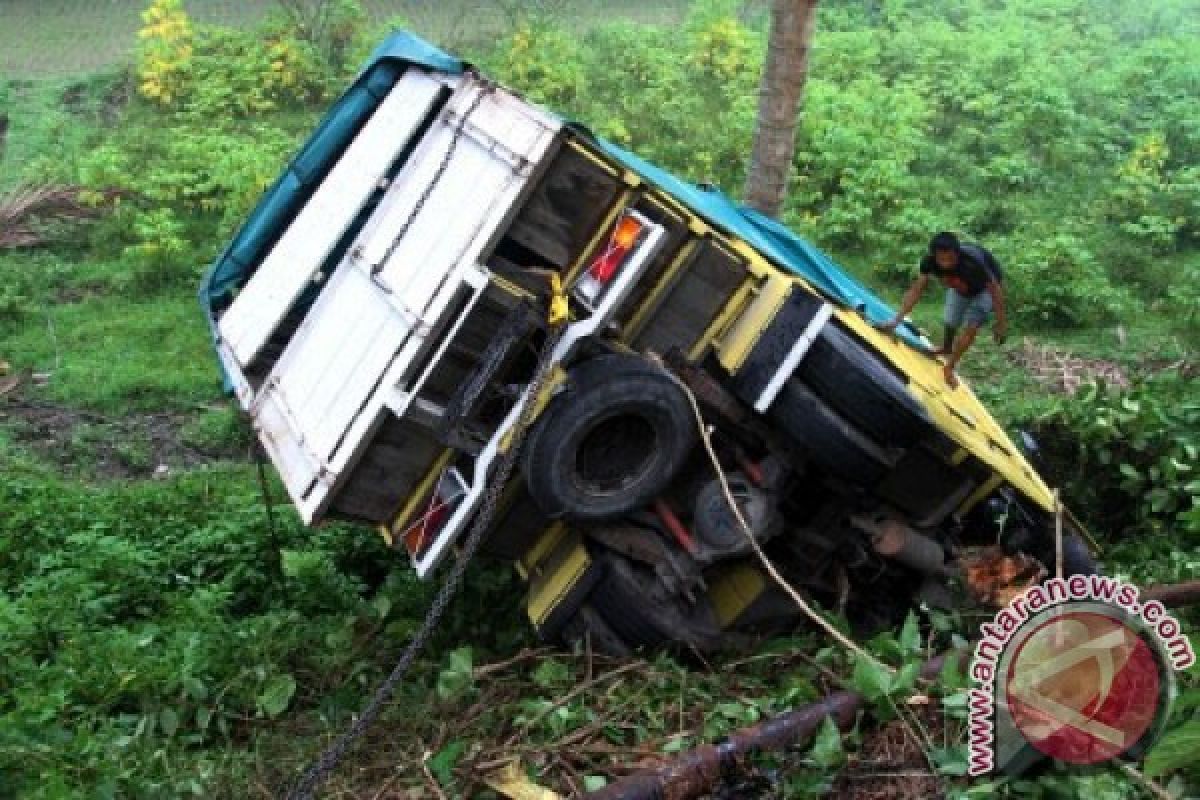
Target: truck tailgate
[[408, 279]]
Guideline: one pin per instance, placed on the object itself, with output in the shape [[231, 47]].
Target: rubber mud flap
[[825, 438], [860, 387], [610, 442]]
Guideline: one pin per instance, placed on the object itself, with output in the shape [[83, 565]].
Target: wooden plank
[[396, 460], [330, 372], [296, 466], [307, 242], [472, 184], [565, 208]]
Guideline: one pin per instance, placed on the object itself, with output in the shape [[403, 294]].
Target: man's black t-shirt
[[976, 266]]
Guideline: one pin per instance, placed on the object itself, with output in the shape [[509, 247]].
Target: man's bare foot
[[951, 378]]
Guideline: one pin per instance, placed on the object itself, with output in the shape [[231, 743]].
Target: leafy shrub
[[213, 72], [164, 52], [244, 73], [333, 28], [149, 618], [187, 190], [1131, 460], [1053, 280], [1151, 203], [541, 58]]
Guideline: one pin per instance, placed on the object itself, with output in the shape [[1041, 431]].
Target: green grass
[[114, 354]]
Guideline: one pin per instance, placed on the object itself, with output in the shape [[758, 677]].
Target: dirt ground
[[137, 445]]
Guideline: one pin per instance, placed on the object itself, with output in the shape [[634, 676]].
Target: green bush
[[149, 618], [1055, 281], [920, 117], [1131, 460]]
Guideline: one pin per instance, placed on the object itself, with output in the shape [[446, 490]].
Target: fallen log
[[1174, 595], [697, 771]]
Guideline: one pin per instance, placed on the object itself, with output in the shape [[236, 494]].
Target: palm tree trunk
[[779, 99]]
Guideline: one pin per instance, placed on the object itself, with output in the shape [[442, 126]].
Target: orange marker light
[[627, 232]]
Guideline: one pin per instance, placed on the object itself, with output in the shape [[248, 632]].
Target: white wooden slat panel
[[296, 466], [344, 365], [512, 122], [307, 242], [466, 270], [327, 335], [388, 220], [382, 401], [472, 183], [326, 393], [498, 116], [399, 374]]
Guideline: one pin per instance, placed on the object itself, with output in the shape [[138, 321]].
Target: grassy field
[[41, 38]]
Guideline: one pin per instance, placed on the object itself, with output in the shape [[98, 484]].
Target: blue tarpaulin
[[306, 171]]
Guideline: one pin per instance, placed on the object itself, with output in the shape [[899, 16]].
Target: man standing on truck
[[974, 288]]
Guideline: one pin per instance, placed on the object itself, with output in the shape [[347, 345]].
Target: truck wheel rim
[[615, 454]]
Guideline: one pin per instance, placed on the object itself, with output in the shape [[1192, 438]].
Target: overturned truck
[[380, 316]]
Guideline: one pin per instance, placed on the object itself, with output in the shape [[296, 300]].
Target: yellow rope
[[797, 598]]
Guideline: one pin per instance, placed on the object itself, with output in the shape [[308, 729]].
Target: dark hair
[[944, 241]]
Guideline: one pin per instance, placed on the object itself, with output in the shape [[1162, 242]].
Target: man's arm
[[911, 298], [996, 290]]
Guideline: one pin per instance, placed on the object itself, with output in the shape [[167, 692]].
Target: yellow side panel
[[736, 343], [732, 592], [552, 577], [957, 412]]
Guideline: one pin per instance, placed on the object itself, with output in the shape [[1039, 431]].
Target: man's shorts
[[970, 311]]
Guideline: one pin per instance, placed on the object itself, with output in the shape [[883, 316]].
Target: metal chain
[[328, 761], [515, 326], [485, 89]]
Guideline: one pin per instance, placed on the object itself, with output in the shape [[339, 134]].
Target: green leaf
[[871, 679], [168, 721], [905, 678], [276, 695], [551, 673], [827, 752], [594, 783], [910, 635], [457, 678], [1179, 747], [950, 760], [443, 762]]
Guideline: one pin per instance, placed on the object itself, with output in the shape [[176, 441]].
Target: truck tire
[[1077, 558], [619, 600], [635, 606], [861, 388], [587, 624], [611, 442], [825, 438]]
